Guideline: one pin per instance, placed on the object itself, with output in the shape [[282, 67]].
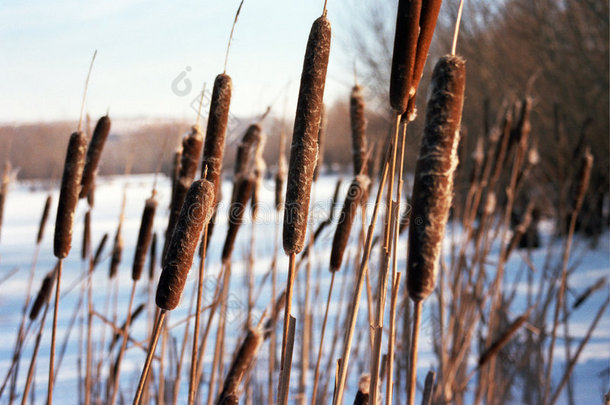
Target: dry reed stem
[[358, 126], [94, 154], [412, 381], [149, 357], [403, 56], [30, 378], [68, 195], [195, 212], [54, 333], [286, 364], [243, 361], [353, 312], [583, 183], [304, 149], [322, 332], [392, 338], [117, 370], [194, 359], [288, 306]]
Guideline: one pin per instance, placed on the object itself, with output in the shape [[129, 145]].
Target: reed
[[358, 126], [44, 294], [303, 153], [433, 186], [145, 235], [94, 154], [243, 361]]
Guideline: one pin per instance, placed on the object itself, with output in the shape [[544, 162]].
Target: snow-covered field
[[22, 213]]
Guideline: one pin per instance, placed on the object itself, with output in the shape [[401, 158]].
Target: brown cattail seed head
[[117, 253], [196, 211], [86, 247], [362, 397], [241, 195], [355, 193], [358, 122], [246, 151], [213, 150], [43, 219], [68, 194], [98, 252], [153, 257], [403, 57], [243, 361], [427, 23], [94, 153], [304, 148], [144, 237], [321, 140], [44, 294], [433, 183], [191, 150]]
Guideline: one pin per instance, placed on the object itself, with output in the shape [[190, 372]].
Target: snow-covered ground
[[17, 245]]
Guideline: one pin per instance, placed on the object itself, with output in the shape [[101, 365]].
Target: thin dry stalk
[[149, 357], [30, 377], [392, 339], [287, 363]]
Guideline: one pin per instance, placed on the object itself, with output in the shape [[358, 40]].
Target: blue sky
[[46, 46]]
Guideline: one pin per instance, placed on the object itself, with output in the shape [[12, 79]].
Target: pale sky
[[144, 45]]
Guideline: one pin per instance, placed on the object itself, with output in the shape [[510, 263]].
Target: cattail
[[352, 200], [504, 338], [241, 195], [98, 252], [94, 153], [43, 219], [358, 122], [259, 171], [153, 257], [304, 149], [86, 236], [600, 283], [427, 23], [181, 187], [144, 237], [191, 149], [433, 183], [243, 361], [362, 396], [213, 149], [6, 177], [44, 294], [403, 57], [134, 316], [175, 173], [68, 195], [280, 179], [91, 195], [196, 211], [117, 253], [321, 142], [246, 151]]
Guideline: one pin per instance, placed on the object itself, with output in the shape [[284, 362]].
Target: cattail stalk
[[196, 211], [303, 153], [433, 188]]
